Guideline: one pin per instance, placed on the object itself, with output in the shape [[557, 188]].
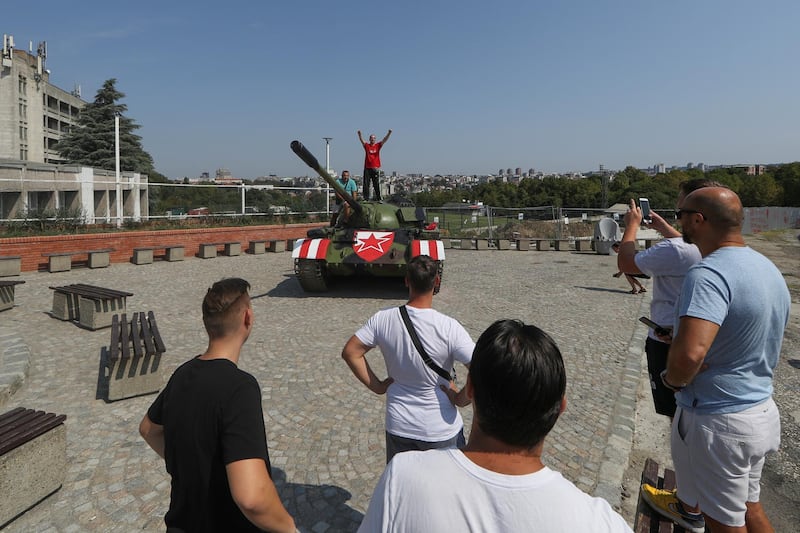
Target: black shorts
[[663, 398]]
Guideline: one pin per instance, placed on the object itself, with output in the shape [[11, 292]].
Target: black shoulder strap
[[418, 345]]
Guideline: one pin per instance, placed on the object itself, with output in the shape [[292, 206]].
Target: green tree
[[91, 142], [760, 191]]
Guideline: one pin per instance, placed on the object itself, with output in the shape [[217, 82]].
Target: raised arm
[[662, 226], [254, 492], [386, 138], [354, 353], [360, 138], [627, 246]]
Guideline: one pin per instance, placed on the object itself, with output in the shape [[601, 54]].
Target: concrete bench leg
[[99, 259], [277, 246], [503, 244], [466, 244], [523, 245], [6, 297], [142, 257], [59, 263], [65, 306], [233, 248], [208, 251], [446, 243], [257, 248], [542, 245], [481, 244], [562, 245], [174, 253], [31, 472], [10, 266], [97, 314], [134, 376]]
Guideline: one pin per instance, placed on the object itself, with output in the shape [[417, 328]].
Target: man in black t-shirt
[[208, 426]]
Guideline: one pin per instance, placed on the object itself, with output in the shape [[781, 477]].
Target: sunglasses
[[680, 212]]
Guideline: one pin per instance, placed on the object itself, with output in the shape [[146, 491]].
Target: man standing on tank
[[372, 163]]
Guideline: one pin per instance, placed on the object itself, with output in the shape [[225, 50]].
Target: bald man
[[731, 316]]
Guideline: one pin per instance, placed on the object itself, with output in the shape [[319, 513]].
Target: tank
[[378, 239]]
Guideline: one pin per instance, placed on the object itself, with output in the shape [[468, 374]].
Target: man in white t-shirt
[[497, 482], [421, 411]]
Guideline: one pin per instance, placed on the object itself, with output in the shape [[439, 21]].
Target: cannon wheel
[[312, 275]]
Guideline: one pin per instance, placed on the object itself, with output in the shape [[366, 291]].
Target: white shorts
[[718, 458]]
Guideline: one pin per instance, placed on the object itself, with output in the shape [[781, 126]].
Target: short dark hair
[[222, 304], [421, 273], [518, 381]]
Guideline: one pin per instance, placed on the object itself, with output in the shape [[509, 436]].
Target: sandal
[[633, 291], [642, 290]]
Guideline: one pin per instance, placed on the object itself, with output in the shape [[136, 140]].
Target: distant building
[[34, 116]]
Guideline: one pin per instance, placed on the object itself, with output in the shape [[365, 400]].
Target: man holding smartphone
[[666, 263]]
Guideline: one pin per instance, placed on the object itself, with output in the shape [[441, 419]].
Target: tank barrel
[[309, 159]]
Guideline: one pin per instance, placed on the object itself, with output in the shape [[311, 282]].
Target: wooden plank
[[136, 331], [125, 336], [160, 346], [147, 336], [30, 425], [113, 348]]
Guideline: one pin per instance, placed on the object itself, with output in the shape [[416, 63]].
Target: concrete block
[[446, 242], [277, 246], [542, 244], [503, 244], [233, 248], [257, 247], [59, 263], [174, 253], [98, 314], [583, 245], [134, 376], [562, 245], [99, 259], [481, 244], [142, 256], [207, 251], [6, 297], [523, 245], [31, 472], [290, 244], [10, 265], [65, 306], [467, 244]]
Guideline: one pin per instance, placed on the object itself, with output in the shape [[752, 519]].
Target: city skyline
[[558, 88]]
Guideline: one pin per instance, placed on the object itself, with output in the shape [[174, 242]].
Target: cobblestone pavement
[[325, 430]]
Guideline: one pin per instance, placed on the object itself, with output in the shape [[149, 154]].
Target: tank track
[[311, 275]]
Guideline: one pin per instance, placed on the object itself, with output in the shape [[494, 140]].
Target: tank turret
[[378, 238]]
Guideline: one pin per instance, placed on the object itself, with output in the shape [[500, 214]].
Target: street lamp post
[[328, 170], [116, 163]]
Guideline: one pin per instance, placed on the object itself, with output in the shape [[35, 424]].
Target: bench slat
[[147, 335], [136, 334], [160, 347], [113, 348], [27, 425], [124, 337]]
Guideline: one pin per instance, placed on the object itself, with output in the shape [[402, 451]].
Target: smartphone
[[660, 330], [644, 203]]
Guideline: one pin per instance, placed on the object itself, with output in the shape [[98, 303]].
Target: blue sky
[[466, 86]]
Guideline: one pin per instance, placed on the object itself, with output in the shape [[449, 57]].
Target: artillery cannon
[[377, 239]]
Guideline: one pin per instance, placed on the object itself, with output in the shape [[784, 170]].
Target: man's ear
[[248, 317]]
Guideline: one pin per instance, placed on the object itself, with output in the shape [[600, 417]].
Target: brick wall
[[30, 249]]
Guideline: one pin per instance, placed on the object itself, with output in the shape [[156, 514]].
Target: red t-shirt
[[373, 155]]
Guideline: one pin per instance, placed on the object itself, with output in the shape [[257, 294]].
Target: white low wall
[[758, 219]]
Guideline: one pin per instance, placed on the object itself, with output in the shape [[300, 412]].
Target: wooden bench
[[209, 249], [145, 255], [33, 459], [134, 357], [10, 265], [62, 261], [647, 520], [93, 307], [7, 293]]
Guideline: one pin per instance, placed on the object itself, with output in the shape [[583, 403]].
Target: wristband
[[670, 386]]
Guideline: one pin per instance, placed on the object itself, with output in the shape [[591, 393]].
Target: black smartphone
[[644, 204], [660, 330]]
